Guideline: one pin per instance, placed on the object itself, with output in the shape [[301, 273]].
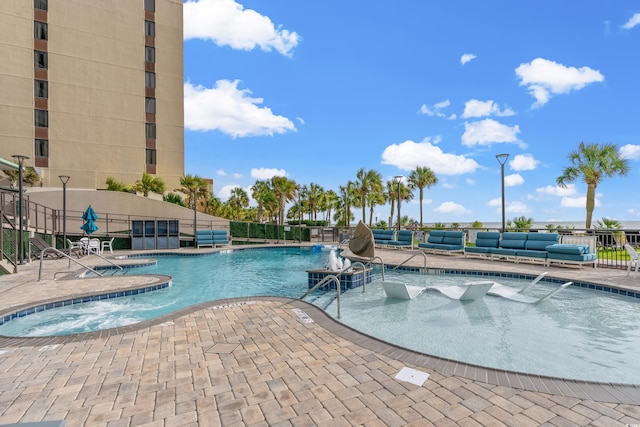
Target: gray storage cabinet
[[155, 234]]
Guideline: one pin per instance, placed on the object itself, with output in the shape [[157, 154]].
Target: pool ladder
[[60, 253], [334, 278]]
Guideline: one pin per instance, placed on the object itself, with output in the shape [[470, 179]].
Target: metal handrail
[[105, 259], [322, 282], [423, 270], [56, 251]]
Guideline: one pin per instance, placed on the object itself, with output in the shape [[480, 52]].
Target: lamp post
[[398, 179], [502, 159], [21, 160], [299, 216], [64, 179], [195, 218]]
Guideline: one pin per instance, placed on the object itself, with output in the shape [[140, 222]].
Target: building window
[[42, 118], [42, 148], [41, 60], [150, 54], [149, 28], [41, 89], [151, 156], [150, 106], [40, 30], [40, 4], [151, 131], [150, 5], [149, 79]]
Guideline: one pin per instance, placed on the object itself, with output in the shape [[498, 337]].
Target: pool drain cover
[[412, 376]]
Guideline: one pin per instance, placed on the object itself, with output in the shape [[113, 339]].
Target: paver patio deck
[[256, 362]]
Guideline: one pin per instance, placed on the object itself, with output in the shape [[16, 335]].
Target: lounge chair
[[633, 259], [467, 291], [40, 245], [401, 290]]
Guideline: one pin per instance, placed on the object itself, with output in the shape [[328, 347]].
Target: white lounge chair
[[467, 291], [633, 259], [401, 290]]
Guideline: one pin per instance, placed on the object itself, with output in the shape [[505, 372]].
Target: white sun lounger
[[468, 291], [509, 293], [401, 290]]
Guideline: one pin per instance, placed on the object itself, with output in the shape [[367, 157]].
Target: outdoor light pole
[[502, 159], [195, 219], [399, 180], [299, 217], [64, 179], [21, 160]]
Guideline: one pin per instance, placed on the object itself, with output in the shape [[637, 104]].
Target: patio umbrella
[[89, 217]]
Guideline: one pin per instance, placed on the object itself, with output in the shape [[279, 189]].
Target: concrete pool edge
[[601, 392]]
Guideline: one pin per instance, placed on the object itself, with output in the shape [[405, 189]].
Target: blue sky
[[316, 91]]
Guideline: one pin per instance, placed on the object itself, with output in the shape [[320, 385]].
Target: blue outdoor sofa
[[382, 237], [213, 238], [404, 239], [444, 241], [529, 247]]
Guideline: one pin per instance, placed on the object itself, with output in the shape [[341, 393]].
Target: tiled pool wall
[[348, 280]]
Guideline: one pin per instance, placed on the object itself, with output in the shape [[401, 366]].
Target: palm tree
[[329, 202], [29, 176], [521, 223], [593, 162], [238, 200], [608, 224], [314, 196], [392, 196], [367, 182], [422, 177], [261, 191], [285, 191], [175, 199], [194, 188], [374, 199], [149, 184]]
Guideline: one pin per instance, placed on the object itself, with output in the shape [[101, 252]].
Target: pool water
[[578, 333], [195, 279]]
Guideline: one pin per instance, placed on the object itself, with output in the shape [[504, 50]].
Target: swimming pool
[[579, 333], [490, 332]]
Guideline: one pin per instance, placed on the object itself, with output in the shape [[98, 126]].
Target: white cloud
[[488, 131], [523, 162], [230, 110], [545, 78], [632, 22], [557, 190], [495, 202], [427, 111], [409, 154], [476, 108], [467, 57], [267, 173], [452, 208], [576, 202], [513, 180], [631, 152], [516, 208], [220, 172], [227, 23], [470, 181], [237, 175]]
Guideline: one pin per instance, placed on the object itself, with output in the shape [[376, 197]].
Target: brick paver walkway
[[253, 362]]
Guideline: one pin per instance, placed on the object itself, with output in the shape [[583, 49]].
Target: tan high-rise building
[[93, 89]]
